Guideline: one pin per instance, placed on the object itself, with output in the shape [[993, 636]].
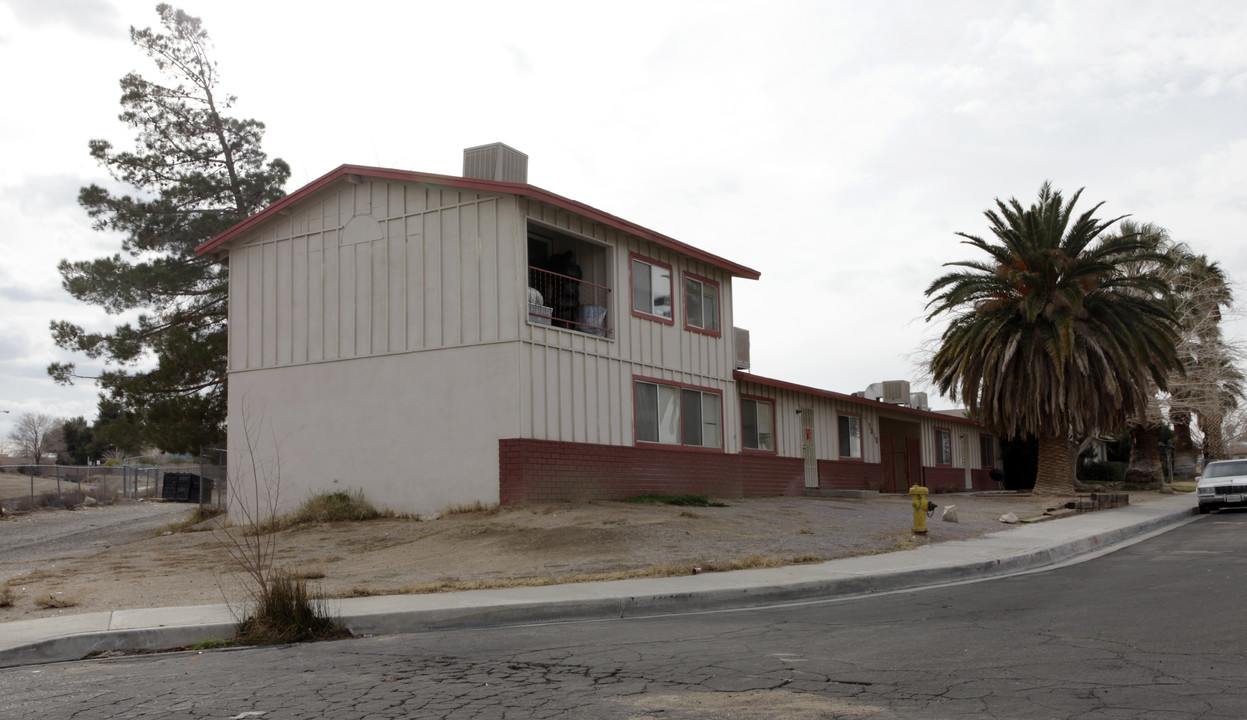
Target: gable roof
[[493, 186]]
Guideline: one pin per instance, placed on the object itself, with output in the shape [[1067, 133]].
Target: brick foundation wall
[[548, 471], [944, 479], [839, 475]]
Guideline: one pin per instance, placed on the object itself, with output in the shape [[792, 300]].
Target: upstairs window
[[651, 289], [675, 415], [943, 447], [850, 427], [757, 419], [701, 304]]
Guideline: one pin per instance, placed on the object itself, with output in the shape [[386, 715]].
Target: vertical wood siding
[[372, 269], [581, 387]]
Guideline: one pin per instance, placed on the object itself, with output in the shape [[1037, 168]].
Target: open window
[[568, 281], [701, 304]]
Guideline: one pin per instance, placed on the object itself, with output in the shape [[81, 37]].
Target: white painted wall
[[418, 431]]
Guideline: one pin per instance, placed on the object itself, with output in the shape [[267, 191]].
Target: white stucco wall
[[418, 431]]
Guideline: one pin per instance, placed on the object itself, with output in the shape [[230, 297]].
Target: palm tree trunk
[[1053, 476], [1183, 449], [1145, 468], [1214, 438]]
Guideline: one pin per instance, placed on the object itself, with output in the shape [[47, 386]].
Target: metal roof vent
[[495, 162]]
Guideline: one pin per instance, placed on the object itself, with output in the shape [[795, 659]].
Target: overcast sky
[[833, 146]]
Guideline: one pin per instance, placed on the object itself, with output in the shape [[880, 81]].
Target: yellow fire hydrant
[[918, 494]]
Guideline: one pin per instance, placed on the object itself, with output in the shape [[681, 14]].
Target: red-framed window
[[668, 413], [701, 305], [653, 296], [943, 446], [757, 424], [987, 451], [849, 429]]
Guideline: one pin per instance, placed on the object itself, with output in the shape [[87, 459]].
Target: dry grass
[[7, 597], [308, 572], [805, 531], [55, 600], [476, 507], [453, 584], [196, 516], [691, 514], [324, 508]]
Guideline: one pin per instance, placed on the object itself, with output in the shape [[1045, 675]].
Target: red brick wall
[[944, 479], [546, 471], [840, 475], [543, 470]]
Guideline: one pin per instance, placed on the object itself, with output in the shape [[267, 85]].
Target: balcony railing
[[566, 302]]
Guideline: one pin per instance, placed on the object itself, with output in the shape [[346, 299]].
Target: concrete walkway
[[1016, 550]]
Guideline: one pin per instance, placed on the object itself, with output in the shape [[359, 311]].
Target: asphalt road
[[1155, 630]]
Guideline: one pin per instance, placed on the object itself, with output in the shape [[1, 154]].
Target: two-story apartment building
[[439, 340]]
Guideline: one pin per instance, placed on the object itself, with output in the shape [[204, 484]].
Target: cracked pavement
[[1154, 630]]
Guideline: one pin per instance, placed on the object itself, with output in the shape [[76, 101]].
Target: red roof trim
[[521, 189], [853, 399]]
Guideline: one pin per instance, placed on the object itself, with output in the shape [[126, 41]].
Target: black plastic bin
[[185, 487]]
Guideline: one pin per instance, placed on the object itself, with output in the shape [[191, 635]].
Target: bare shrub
[[281, 608], [7, 597]]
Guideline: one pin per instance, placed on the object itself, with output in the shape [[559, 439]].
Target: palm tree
[[1053, 335]]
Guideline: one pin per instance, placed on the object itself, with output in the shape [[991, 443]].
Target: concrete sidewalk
[[1002, 553]]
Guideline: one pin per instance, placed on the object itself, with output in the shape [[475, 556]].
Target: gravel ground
[[117, 557]]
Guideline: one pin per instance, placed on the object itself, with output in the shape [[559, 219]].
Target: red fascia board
[[521, 189], [783, 385]]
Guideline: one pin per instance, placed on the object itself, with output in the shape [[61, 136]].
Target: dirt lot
[[538, 543]]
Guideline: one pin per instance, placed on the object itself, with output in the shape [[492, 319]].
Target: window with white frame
[[757, 419], [987, 451], [676, 415], [850, 427], [701, 304], [651, 289], [943, 447]]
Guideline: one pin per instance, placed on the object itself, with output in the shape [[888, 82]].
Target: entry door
[[807, 448]]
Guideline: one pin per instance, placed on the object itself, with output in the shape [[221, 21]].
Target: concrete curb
[[995, 555]]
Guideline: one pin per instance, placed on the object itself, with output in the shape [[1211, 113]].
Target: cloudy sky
[[833, 146]]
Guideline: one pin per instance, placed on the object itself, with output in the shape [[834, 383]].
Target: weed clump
[[7, 597], [325, 508], [286, 611], [680, 500]]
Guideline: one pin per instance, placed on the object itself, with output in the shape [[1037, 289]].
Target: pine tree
[[194, 172]]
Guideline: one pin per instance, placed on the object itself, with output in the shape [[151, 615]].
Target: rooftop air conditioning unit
[[919, 400], [495, 162], [741, 338], [894, 392]]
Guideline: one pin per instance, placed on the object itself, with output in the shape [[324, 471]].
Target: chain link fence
[[23, 487]]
